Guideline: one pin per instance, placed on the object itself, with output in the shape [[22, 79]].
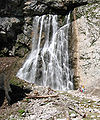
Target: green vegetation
[[17, 82], [21, 111]]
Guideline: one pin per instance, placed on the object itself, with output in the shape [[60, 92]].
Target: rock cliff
[[16, 21], [16, 32], [86, 27]]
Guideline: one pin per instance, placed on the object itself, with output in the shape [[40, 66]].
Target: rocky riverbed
[[43, 103]]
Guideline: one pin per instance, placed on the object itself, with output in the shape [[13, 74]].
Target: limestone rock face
[[87, 49], [13, 40], [16, 32], [38, 7], [16, 21], [9, 28]]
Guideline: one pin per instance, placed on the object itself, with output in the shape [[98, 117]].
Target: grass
[[21, 111]]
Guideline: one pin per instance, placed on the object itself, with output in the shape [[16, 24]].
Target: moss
[[4, 52], [0, 117], [17, 82], [61, 20], [21, 111], [72, 16], [26, 100], [79, 14]]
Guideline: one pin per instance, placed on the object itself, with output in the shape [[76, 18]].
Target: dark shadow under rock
[[17, 94], [2, 97]]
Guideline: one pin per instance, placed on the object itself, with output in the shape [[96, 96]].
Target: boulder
[[9, 28], [86, 44]]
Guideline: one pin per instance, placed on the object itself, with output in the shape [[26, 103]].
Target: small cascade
[[48, 62]]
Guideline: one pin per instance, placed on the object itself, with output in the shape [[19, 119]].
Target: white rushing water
[[48, 62]]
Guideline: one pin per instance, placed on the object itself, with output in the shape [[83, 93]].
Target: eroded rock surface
[[87, 27], [17, 15]]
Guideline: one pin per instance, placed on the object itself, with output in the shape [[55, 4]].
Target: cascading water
[[48, 62]]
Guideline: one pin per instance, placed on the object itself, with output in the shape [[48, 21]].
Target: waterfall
[[48, 62]]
